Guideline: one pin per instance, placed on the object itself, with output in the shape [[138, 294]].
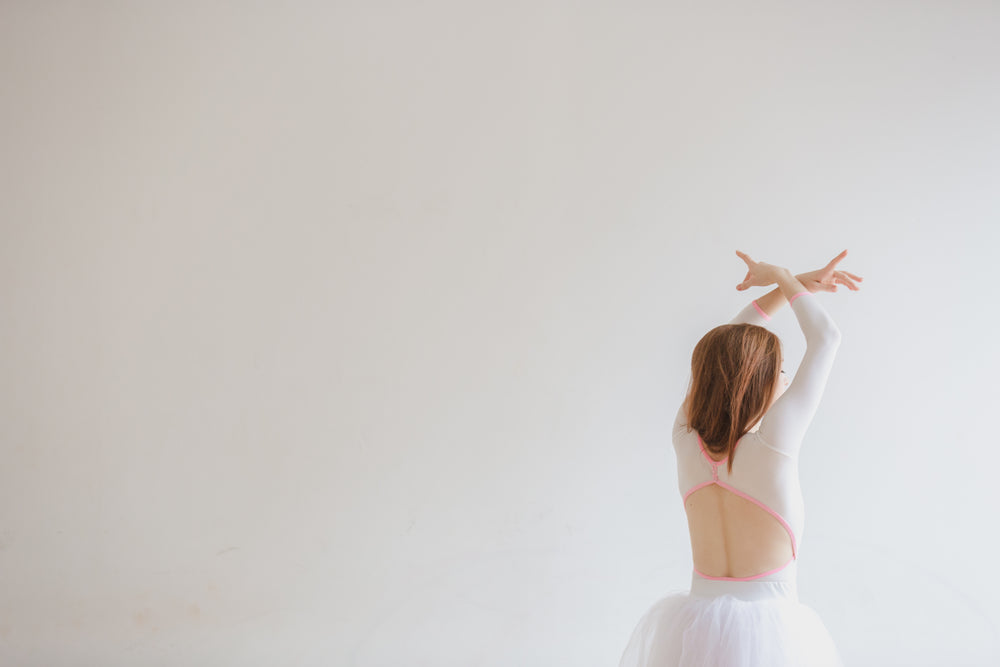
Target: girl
[[737, 437]]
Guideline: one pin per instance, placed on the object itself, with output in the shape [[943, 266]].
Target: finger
[[746, 258], [842, 277], [851, 286], [835, 260], [854, 277]]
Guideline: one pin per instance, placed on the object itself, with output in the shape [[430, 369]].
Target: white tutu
[[723, 623]]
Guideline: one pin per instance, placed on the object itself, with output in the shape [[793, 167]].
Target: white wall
[[351, 333]]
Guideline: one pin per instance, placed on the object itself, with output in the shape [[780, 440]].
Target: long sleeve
[[751, 314], [784, 425]]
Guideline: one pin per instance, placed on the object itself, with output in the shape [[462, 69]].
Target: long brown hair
[[734, 369]]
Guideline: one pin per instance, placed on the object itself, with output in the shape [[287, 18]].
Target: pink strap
[[756, 576], [760, 310], [796, 296]]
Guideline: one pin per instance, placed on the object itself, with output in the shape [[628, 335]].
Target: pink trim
[[756, 576], [759, 310], [700, 486], [796, 296]]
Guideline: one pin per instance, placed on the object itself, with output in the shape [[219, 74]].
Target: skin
[[825, 279]]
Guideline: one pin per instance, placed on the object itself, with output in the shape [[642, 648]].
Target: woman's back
[[748, 525], [743, 525]]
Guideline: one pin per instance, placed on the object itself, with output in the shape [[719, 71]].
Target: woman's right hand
[[759, 274], [826, 279]]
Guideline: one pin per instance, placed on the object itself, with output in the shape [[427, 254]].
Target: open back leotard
[[765, 466]]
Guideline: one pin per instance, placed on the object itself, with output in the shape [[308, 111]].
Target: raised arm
[[784, 425], [752, 313], [761, 310]]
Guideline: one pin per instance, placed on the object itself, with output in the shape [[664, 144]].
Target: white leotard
[[765, 466]]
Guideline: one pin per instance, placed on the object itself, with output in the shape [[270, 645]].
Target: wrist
[[781, 273], [790, 285], [806, 281]]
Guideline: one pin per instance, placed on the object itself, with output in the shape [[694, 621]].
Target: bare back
[[734, 537]]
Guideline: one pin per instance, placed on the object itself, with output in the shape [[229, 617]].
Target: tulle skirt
[[731, 624]]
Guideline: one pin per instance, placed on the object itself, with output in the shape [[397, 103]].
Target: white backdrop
[[351, 333]]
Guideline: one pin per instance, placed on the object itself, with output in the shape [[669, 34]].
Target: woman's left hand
[[827, 278]]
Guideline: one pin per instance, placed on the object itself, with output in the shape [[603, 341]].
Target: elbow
[[831, 332], [828, 336]]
